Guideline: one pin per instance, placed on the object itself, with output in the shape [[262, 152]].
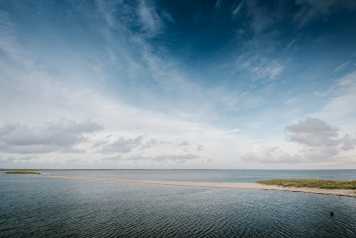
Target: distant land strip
[[22, 171], [228, 185]]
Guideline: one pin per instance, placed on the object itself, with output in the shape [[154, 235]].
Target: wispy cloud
[[260, 67], [10, 49], [237, 8], [218, 3], [261, 18], [151, 21], [338, 109], [271, 70], [342, 66], [311, 9]]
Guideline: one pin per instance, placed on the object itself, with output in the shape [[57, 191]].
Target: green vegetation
[[311, 183], [22, 171]]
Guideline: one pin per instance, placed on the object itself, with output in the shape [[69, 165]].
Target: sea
[[94, 203]]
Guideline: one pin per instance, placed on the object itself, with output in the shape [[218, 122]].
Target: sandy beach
[[237, 185]]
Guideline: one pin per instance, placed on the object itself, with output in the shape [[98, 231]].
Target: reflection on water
[[33, 206]]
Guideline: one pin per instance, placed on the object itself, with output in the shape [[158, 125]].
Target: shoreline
[[223, 185]]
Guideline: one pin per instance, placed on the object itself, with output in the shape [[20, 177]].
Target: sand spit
[[237, 185]]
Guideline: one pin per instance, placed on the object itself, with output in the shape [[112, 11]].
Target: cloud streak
[[151, 21], [311, 9]]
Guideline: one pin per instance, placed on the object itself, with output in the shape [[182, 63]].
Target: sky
[[149, 84]]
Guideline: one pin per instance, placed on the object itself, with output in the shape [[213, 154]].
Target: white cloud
[[122, 145], [320, 141], [179, 158], [36, 95], [270, 155], [313, 132], [310, 141], [39, 103], [46, 138]]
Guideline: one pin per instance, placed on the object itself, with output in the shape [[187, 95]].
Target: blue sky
[[172, 84]]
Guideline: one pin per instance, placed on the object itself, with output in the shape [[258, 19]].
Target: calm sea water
[[37, 206]]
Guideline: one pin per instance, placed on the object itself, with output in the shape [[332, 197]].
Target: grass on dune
[[22, 171], [311, 183]]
